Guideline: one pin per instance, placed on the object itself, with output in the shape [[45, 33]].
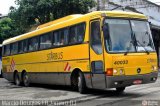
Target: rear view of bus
[[129, 53]]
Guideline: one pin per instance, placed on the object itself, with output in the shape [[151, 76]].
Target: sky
[[5, 5], [156, 1]]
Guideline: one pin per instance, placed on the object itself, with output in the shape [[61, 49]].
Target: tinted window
[[14, 48], [20, 47], [7, 50], [60, 37], [80, 32], [45, 41], [56, 40], [77, 33], [33, 44], [66, 35], [73, 33], [2, 50], [96, 37], [63, 36], [25, 45]]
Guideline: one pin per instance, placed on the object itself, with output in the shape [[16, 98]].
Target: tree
[[46, 10], [6, 28]]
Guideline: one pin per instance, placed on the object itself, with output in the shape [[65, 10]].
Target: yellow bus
[[101, 49]]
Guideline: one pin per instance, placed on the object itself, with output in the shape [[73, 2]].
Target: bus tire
[[120, 89], [81, 83], [1, 74], [25, 78], [17, 79]]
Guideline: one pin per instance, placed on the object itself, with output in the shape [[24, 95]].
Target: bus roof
[[48, 27], [59, 20]]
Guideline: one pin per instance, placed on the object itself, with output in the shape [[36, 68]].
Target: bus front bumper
[[123, 81]]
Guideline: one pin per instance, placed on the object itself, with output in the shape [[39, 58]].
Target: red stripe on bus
[[69, 68], [66, 67]]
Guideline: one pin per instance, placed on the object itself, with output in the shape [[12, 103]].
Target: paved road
[[49, 95]]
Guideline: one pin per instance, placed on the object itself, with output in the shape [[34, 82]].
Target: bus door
[[96, 56]]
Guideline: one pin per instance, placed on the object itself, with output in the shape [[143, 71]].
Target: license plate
[[137, 82]]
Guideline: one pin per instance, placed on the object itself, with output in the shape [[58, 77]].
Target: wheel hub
[[79, 81]]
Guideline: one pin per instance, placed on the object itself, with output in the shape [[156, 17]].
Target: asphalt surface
[[51, 95]]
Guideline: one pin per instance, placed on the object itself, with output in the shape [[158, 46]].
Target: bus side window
[[25, 45], [77, 33], [3, 51], [80, 32], [20, 47], [7, 50], [45, 41], [66, 36], [55, 39], [96, 43], [73, 35], [33, 44], [3, 48], [63, 36], [14, 48]]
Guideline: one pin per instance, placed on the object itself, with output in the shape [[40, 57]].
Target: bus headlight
[[154, 68], [115, 71], [121, 71], [111, 71]]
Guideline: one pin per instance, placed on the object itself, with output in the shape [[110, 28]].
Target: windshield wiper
[[143, 47], [128, 48], [136, 41], [131, 42]]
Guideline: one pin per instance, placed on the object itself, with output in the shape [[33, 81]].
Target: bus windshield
[[127, 36]]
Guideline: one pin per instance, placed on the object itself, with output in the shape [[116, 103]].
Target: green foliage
[[6, 29], [29, 11]]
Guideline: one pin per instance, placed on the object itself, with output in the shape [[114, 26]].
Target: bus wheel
[[120, 89], [26, 80], [81, 83], [1, 74], [17, 79]]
